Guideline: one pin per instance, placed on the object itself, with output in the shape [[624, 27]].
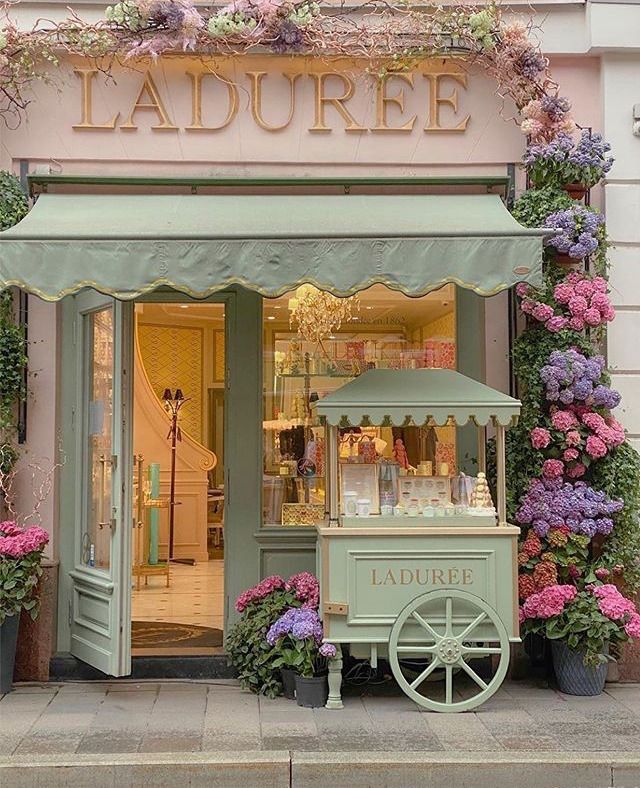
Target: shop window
[[98, 405], [312, 349]]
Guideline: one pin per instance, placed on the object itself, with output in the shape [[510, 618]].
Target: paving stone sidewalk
[[189, 717]]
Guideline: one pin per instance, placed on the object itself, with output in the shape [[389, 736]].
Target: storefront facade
[[268, 126]]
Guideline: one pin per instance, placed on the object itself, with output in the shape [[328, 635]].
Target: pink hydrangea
[[521, 615], [557, 323], [552, 469], [548, 602], [592, 317], [564, 420], [578, 306], [522, 289], [600, 301], [632, 627], [594, 421], [570, 455], [540, 438], [259, 591], [609, 314], [584, 288], [16, 542], [576, 323], [611, 603], [542, 312], [576, 471], [573, 438], [563, 292], [306, 588], [596, 447], [527, 306], [602, 573], [612, 433]]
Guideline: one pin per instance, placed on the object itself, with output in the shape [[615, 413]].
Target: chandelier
[[317, 314]]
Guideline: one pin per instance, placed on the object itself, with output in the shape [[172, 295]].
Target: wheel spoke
[[471, 672], [427, 627], [472, 626], [449, 616], [477, 650], [425, 673], [449, 684], [416, 649]]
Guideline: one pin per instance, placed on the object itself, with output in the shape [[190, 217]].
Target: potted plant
[[20, 554], [260, 607], [296, 638], [582, 626], [534, 205], [574, 167], [580, 231]]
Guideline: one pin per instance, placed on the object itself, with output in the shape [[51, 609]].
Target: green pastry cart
[[433, 592]]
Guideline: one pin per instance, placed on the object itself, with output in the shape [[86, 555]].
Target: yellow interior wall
[[173, 358]]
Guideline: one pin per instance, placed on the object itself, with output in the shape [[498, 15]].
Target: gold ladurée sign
[[333, 92], [452, 576]]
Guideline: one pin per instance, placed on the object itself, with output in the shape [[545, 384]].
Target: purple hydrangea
[[556, 107], [327, 650], [300, 623], [581, 508], [532, 63], [288, 39], [591, 151], [578, 229], [168, 14], [570, 377], [604, 397], [562, 161], [556, 151]]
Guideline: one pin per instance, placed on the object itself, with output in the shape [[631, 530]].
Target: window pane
[[307, 356], [96, 538]]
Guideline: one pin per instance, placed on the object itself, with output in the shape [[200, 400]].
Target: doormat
[[166, 635]]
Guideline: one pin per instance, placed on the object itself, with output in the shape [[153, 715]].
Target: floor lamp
[[173, 405]]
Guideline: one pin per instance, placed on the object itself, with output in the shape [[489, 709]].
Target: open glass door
[[101, 592]]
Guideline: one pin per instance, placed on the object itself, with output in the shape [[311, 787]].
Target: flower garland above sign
[[391, 39]]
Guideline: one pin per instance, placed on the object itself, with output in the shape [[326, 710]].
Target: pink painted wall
[[243, 148]]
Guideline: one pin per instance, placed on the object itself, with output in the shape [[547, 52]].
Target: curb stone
[[283, 769]]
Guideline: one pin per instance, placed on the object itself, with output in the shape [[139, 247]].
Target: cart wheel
[[450, 645]]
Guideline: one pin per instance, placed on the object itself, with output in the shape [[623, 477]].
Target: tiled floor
[[182, 717], [195, 596]]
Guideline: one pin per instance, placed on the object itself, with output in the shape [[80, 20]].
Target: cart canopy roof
[[400, 397]]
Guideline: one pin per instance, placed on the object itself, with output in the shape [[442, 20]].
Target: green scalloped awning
[[397, 397], [126, 245]]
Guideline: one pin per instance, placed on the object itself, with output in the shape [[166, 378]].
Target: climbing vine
[[13, 358]]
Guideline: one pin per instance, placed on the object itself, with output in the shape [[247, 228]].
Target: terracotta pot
[[566, 261], [576, 191]]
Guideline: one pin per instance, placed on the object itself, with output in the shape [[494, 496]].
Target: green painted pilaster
[[243, 445], [471, 362], [69, 473]]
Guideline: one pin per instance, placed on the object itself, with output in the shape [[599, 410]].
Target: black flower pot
[[8, 643], [288, 677], [311, 692]]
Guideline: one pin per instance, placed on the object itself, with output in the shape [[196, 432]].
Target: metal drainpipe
[[512, 305], [23, 321]]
